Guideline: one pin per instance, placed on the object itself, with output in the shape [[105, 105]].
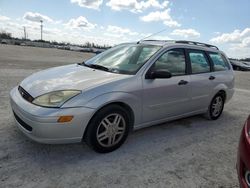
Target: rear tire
[[216, 107], [108, 129]]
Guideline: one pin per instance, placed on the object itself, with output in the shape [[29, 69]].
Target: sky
[[224, 23]]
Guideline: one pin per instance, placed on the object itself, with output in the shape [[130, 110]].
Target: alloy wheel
[[217, 106], [111, 130]]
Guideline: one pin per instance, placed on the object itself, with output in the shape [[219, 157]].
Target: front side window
[[123, 59], [219, 62], [199, 62], [172, 61]]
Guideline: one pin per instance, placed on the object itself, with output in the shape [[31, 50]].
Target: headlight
[[55, 98]]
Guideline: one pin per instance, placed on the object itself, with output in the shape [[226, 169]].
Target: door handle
[[183, 82], [211, 77]]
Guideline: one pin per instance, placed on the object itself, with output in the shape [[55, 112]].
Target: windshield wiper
[[96, 66], [82, 63]]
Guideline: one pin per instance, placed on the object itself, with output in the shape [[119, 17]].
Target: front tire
[[108, 129], [216, 107]]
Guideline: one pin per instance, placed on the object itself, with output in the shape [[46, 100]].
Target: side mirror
[[158, 74]]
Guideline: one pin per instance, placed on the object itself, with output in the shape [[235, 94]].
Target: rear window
[[219, 62], [199, 62]]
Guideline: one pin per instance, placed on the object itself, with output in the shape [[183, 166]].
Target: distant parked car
[[4, 41], [98, 51], [243, 162], [17, 43], [240, 65], [127, 87], [64, 47]]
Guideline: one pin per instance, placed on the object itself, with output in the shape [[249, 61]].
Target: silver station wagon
[[127, 87]]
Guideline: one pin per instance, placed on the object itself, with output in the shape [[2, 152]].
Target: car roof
[[183, 43]]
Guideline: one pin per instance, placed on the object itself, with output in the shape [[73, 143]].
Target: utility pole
[[24, 31], [41, 29]]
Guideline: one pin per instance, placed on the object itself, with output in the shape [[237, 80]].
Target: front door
[[167, 97]]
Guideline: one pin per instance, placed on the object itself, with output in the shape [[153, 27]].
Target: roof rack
[[196, 43], [157, 40], [187, 42]]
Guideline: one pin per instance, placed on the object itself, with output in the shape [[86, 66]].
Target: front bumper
[[42, 122], [243, 161]]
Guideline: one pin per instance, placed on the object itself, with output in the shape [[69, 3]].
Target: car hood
[[241, 63], [67, 77], [246, 64]]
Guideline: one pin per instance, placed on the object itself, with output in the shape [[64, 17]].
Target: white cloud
[[159, 37], [163, 16], [13, 24], [237, 42], [246, 42], [80, 22], [186, 33], [36, 17], [52, 31], [92, 4], [120, 31], [4, 18], [236, 36], [236, 51], [135, 5], [56, 32]]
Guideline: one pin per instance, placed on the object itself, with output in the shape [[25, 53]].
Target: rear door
[[201, 79], [221, 68]]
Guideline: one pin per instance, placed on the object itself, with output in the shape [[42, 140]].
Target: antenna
[[151, 35]]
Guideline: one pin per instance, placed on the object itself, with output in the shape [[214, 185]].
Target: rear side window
[[219, 62], [199, 62], [172, 61]]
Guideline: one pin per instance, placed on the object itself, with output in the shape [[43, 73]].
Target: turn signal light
[[64, 119]]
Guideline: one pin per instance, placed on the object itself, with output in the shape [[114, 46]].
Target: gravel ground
[[191, 152]]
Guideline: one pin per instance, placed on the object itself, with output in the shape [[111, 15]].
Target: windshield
[[123, 59]]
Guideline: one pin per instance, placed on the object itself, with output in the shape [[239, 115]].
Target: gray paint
[[152, 101]]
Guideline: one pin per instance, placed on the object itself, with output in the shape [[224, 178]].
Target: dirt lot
[[191, 152]]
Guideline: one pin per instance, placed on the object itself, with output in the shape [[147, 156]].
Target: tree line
[[7, 35]]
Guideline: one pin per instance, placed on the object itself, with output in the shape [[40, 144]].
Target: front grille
[[25, 94], [22, 123]]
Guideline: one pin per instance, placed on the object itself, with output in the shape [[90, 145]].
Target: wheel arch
[[125, 106], [208, 114], [220, 89], [223, 93]]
